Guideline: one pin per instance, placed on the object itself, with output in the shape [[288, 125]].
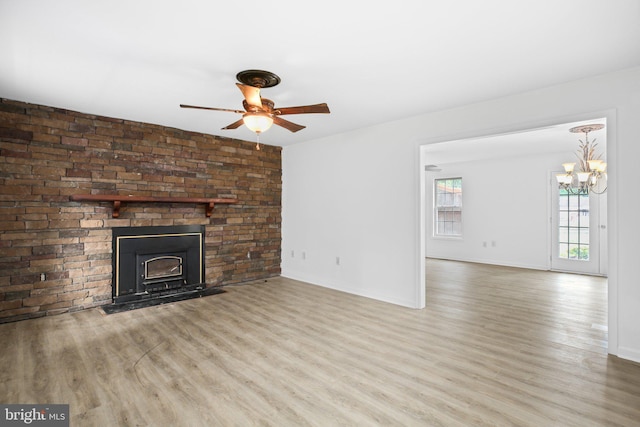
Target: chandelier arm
[[570, 189], [575, 191], [599, 192]]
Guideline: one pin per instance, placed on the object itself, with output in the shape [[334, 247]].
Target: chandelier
[[591, 176]]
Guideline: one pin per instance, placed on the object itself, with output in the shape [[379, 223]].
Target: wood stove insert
[[156, 262]]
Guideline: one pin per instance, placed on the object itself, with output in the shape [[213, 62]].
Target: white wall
[[340, 200], [506, 207], [359, 195]]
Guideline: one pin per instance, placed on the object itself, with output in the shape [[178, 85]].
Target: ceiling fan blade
[[212, 108], [304, 109], [287, 124], [234, 125], [251, 94]]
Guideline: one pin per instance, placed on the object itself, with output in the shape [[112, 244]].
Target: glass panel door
[[575, 231]]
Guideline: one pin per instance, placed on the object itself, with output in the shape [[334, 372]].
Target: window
[[573, 226], [448, 207]]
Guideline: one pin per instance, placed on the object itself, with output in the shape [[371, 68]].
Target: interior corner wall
[[357, 196]]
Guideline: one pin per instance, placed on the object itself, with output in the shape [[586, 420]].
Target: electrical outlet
[[43, 277], [304, 255], [248, 254], [293, 254], [337, 260]]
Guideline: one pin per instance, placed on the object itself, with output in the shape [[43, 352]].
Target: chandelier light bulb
[[583, 176], [568, 167], [594, 164]]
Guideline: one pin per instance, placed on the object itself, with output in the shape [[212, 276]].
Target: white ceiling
[[370, 61], [530, 142]]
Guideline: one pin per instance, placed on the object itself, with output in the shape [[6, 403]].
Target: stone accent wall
[[55, 255]]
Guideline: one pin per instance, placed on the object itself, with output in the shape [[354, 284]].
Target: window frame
[[457, 207]]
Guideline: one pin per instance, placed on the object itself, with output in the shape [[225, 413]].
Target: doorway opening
[[487, 165]]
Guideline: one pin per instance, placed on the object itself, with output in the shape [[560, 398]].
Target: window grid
[[573, 226], [448, 207]]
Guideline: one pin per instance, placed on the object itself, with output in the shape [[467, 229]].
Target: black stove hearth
[[157, 262]]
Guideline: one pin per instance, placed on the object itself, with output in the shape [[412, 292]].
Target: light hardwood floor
[[495, 346]]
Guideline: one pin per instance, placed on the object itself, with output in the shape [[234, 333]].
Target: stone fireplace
[[156, 262], [57, 249]]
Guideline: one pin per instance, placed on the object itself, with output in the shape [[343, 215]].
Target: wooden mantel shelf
[[118, 199]]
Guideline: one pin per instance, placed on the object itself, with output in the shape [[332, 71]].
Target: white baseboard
[[629, 354], [494, 262], [345, 288]]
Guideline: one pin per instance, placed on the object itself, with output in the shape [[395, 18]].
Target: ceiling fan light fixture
[[257, 122], [259, 113]]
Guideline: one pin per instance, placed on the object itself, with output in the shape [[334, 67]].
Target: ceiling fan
[[260, 113]]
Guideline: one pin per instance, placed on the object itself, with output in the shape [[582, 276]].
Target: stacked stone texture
[[48, 154]]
